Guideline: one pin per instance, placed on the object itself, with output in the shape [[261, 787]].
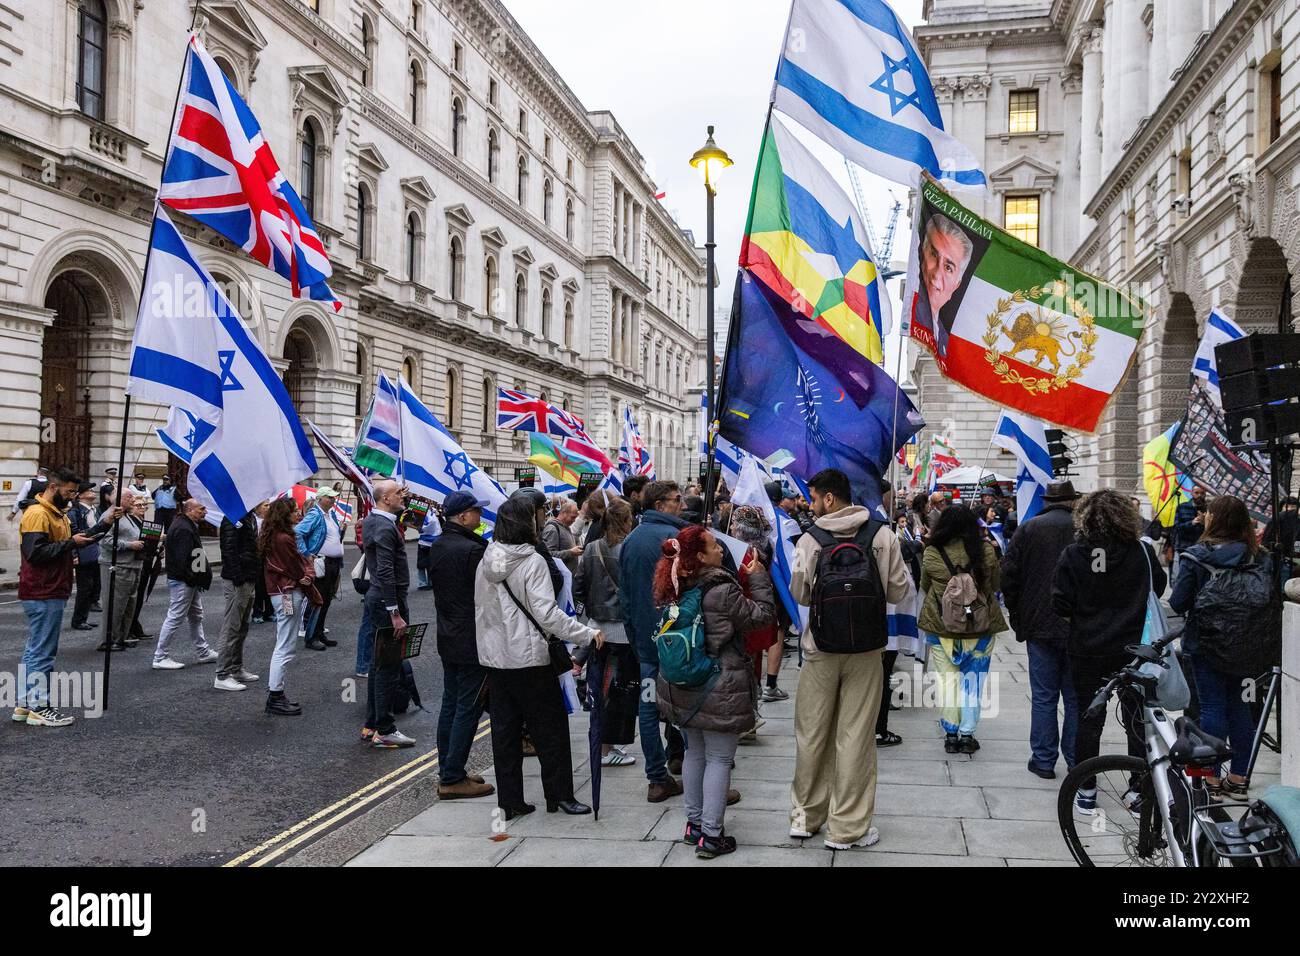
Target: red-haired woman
[[712, 718]]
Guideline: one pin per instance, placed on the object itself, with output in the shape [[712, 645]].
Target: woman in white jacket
[[515, 613]]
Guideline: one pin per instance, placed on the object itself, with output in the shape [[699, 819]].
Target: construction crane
[[881, 251]]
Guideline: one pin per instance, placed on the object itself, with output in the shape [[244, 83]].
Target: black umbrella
[[595, 729]]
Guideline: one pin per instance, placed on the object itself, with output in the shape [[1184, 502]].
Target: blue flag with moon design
[[801, 398]]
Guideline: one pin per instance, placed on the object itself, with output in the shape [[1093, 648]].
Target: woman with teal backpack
[[710, 698]]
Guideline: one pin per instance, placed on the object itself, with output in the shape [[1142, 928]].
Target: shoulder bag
[[561, 659]]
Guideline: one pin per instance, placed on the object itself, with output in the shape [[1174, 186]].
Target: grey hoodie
[[507, 640]]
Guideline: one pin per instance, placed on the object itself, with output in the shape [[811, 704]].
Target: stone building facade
[[1162, 156], [485, 228]]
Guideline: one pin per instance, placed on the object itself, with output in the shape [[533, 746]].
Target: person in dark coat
[[712, 717], [188, 576], [1189, 521], [1033, 553], [81, 518], [660, 520], [390, 580], [241, 566], [1100, 588], [454, 557]]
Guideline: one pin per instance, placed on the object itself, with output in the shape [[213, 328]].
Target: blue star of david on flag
[[228, 381], [185, 433], [898, 100], [466, 478]]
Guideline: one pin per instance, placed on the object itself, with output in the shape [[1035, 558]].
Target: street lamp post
[[710, 160]]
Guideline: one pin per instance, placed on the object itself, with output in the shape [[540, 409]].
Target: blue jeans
[[365, 640], [458, 719], [44, 620], [1223, 712], [652, 745], [1049, 680]]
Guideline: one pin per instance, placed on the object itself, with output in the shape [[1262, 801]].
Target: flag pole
[[126, 406]]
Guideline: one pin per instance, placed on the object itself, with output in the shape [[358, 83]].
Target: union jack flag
[[523, 412], [633, 456], [220, 170]]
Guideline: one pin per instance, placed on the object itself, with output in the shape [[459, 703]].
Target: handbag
[[561, 660], [1172, 692]]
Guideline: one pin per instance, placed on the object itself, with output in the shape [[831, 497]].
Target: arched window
[[367, 46], [457, 122], [413, 84], [490, 284], [521, 300], [412, 242], [547, 195], [227, 70], [455, 261], [92, 45], [363, 221], [494, 155], [546, 314], [410, 372], [307, 169], [568, 323], [568, 220], [453, 398], [522, 192], [301, 356], [489, 405]]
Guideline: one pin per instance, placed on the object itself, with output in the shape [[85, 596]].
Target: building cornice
[[1202, 69], [295, 17], [1034, 30]]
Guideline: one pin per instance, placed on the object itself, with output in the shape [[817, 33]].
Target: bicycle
[[1158, 811]]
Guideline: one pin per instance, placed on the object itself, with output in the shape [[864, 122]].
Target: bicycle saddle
[[1195, 748]]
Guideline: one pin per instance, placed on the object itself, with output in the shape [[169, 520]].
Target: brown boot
[[465, 790], [733, 797], [661, 790], [473, 776]]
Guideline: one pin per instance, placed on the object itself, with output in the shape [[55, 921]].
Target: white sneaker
[[302, 632], [797, 834], [389, 741], [246, 677], [208, 657], [870, 838], [228, 683], [167, 664]]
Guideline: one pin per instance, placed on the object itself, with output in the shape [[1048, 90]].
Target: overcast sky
[[669, 70]]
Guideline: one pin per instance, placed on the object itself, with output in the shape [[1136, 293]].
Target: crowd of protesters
[[594, 592]]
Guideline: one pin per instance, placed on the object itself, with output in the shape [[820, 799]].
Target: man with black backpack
[[846, 569]]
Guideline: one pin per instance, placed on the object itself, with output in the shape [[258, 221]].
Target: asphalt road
[[177, 773]]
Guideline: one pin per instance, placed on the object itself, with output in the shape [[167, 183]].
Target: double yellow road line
[[323, 820]]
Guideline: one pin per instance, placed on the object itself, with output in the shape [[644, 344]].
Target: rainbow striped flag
[[806, 242]]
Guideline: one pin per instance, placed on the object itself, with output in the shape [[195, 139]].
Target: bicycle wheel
[[1118, 832]]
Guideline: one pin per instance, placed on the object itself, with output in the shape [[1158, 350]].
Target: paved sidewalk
[[932, 808]]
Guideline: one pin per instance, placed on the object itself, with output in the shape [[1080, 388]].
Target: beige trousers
[[835, 738]]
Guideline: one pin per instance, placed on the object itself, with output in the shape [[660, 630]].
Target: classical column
[[1090, 142], [617, 218], [1134, 53], [1185, 26], [1161, 16], [615, 325], [1110, 89], [974, 122], [1064, 224]]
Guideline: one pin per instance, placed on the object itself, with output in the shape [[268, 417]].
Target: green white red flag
[[1005, 320]]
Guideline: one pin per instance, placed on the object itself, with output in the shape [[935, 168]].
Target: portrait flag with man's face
[[1008, 322]]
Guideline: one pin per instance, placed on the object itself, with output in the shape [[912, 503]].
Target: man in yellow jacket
[[839, 693]]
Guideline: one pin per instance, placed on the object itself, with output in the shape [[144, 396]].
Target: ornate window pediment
[[548, 272], [459, 215], [493, 236], [417, 190], [369, 155], [1023, 173], [314, 87], [229, 31], [524, 256], [571, 286]]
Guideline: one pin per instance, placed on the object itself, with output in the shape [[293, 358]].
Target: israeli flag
[[257, 450], [1026, 438], [731, 457], [1218, 330], [850, 73], [175, 359], [433, 464], [749, 490]]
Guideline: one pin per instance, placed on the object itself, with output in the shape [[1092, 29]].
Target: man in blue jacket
[[660, 520], [320, 535]]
